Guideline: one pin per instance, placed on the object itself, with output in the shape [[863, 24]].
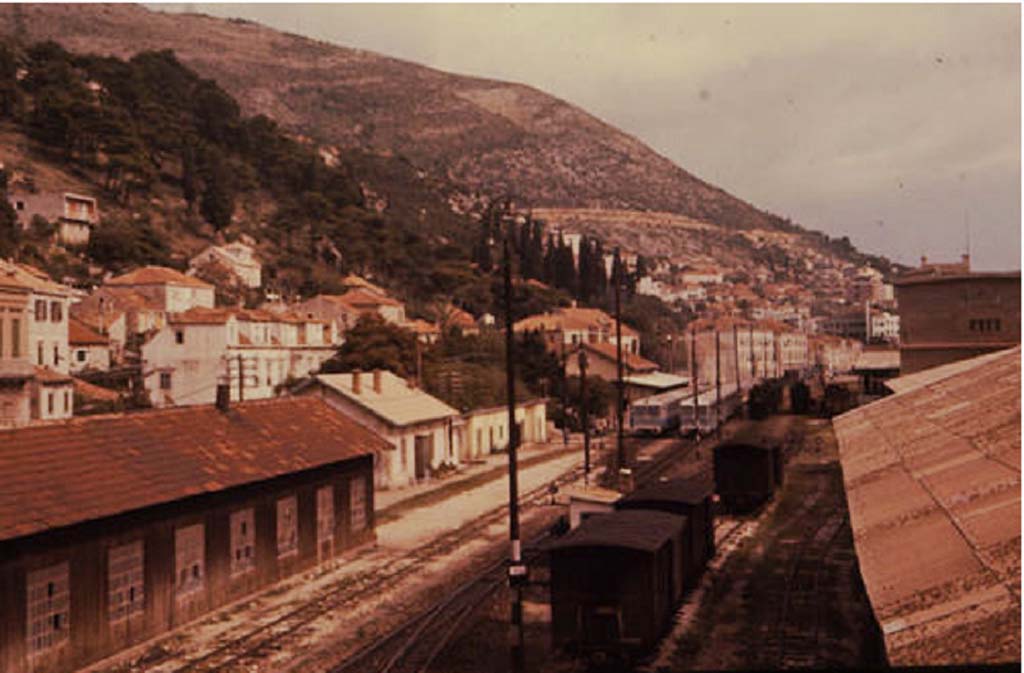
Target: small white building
[[73, 215], [486, 431], [40, 329], [90, 350], [172, 290], [237, 257], [421, 429]]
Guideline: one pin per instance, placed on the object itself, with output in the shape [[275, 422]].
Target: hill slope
[[483, 137]]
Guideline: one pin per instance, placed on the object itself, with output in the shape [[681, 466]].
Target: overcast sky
[[897, 125]]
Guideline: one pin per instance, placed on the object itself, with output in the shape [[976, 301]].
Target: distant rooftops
[[156, 275], [931, 272], [61, 473], [630, 361], [569, 319]]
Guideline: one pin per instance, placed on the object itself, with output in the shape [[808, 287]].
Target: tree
[[218, 201], [373, 343]]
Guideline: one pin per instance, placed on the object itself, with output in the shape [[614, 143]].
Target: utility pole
[[736, 352], [419, 363], [584, 417], [671, 354], [241, 378], [753, 372], [516, 569], [718, 381], [565, 390], [623, 468], [695, 382]]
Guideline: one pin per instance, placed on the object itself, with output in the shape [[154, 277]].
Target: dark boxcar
[[750, 464], [613, 582], [686, 497]]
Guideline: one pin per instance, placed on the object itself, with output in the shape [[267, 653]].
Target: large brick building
[[116, 528], [949, 314]]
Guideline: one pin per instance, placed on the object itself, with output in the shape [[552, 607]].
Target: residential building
[[426, 332], [485, 431], [90, 350], [834, 355], [255, 351], [949, 313], [237, 258], [117, 528], [701, 276], [875, 366], [43, 338], [344, 310], [419, 428], [885, 326], [171, 290], [73, 215], [602, 361], [566, 327]]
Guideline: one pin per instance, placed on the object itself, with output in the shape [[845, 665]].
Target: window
[[48, 596], [19, 205], [56, 311], [405, 455], [39, 353], [189, 559], [125, 581], [15, 338], [243, 536], [324, 514], [40, 310], [49, 403], [179, 336], [80, 355], [56, 355], [165, 380], [997, 325], [287, 527], [357, 504], [67, 402]]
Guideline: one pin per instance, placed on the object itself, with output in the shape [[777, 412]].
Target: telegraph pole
[[516, 568], [736, 352], [694, 381], [565, 390], [623, 469], [718, 381], [753, 372], [584, 417]]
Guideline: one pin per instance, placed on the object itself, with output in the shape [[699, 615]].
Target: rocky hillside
[[478, 137]]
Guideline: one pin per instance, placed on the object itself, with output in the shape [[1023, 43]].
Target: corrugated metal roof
[[62, 473], [396, 403], [933, 483], [642, 530], [657, 380]]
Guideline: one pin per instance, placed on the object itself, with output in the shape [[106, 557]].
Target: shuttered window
[[243, 542], [287, 527], [125, 581], [189, 560], [357, 504], [48, 594], [325, 513]]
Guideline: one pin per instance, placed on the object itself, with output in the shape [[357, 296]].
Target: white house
[[90, 350], [486, 430], [172, 290], [237, 257], [422, 430], [255, 352], [344, 310], [571, 326]]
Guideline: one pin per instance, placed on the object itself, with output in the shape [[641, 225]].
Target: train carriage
[[656, 414], [711, 411], [750, 464], [615, 582]]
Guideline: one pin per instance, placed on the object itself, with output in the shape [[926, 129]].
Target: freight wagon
[[615, 583], [750, 464]]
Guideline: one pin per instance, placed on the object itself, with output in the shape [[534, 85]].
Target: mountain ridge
[[484, 136]]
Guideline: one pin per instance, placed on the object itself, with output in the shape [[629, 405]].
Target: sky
[[896, 125]]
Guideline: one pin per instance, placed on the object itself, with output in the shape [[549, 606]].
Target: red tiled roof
[[199, 315], [364, 298], [24, 277], [156, 275], [94, 392], [630, 361], [63, 473], [421, 327], [572, 319], [80, 334], [47, 375]]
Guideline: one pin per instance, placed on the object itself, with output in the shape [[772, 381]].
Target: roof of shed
[[642, 530], [932, 477], [63, 473], [874, 359], [913, 381], [397, 403], [683, 491]]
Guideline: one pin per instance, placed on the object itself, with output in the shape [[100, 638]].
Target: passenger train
[[674, 411]]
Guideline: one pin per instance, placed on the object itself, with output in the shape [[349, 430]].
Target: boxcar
[[750, 464], [686, 497], [613, 583]]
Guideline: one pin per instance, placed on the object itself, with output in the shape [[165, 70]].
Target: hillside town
[[271, 402]]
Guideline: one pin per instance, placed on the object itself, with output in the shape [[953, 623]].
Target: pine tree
[[586, 285], [549, 261]]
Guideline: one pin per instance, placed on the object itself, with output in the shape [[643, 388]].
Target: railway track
[[251, 648]]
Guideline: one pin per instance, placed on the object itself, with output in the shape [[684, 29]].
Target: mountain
[[477, 137]]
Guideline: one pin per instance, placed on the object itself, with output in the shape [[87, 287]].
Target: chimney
[[924, 261], [377, 376], [965, 259], [357, 387], [223, 396]]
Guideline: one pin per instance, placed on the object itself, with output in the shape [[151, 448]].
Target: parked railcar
[[656, 414], [614, 583], [686, 497], [750, 464], [710, 410]]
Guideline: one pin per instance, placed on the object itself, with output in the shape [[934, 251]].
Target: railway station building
[[932, 477], [116, 528]]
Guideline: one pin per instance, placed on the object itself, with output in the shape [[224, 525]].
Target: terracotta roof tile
[[630, 361], [63, 473], [81, 334], [156, 275]]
